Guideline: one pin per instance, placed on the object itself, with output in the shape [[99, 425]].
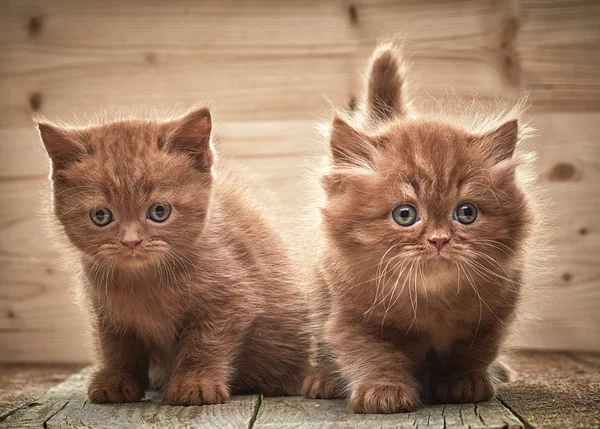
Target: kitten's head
[[132, 193], [408, 192]]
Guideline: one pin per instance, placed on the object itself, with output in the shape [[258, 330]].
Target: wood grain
[[21, 384], [66, 406], [553, 390], [329, 414], [558, 390], [559, 52], [260, 60]]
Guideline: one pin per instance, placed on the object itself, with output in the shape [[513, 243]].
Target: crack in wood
[[525, 423], [256, 410], [45, 422]]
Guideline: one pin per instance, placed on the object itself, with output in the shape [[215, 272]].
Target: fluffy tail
[[385, 81]]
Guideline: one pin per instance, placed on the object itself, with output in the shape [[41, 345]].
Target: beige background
[[268, 66]]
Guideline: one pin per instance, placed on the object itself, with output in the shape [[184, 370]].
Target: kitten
[[178, 265], [424, 224]]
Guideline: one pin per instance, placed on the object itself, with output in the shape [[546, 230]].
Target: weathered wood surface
[[554, 390], [21, 383], [269, 66], [296, 412], [66, 406]]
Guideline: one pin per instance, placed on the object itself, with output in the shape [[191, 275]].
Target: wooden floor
[[554, 390]]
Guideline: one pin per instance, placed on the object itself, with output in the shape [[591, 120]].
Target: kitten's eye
[[405, 215], [466, 213], [159, 212], [101, 217]]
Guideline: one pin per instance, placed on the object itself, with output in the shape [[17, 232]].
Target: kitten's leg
[[323, 381], [465, 374], [203, 368], [379, 376], [123, 372]]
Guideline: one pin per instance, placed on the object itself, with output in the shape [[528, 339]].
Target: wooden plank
[[555, 390], [66, 406], [329, 414], [559, 306], [559, 48], [21, 384], [469, 45], [262, 60]]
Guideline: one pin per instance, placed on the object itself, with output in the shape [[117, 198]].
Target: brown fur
[[208, 297], [397, 321]]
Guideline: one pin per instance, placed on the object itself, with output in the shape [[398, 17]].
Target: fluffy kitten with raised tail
[[183, 273], [424, 227]]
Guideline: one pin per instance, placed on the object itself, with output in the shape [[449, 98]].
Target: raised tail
[[385, 80]]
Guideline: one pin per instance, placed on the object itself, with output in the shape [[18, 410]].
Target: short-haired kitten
[[423, 225], [179, 266]]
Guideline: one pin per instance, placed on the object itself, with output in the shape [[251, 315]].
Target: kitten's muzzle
[[438, 242], [132, 244]]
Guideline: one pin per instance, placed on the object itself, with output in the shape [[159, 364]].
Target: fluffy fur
[[208, 297], [400, 319]]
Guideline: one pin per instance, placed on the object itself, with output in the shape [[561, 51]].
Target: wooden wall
[[269, 66]]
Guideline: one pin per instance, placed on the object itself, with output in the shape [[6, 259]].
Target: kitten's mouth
[[440, 256], [132, 256]]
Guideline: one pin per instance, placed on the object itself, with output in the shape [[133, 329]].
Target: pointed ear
[[349, 146], [61, 144], [191, 136], [500, 144]]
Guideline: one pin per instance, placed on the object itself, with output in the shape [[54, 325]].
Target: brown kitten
[[179, 268], [424, 224]]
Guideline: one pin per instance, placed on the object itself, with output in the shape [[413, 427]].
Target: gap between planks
[[66, 406]]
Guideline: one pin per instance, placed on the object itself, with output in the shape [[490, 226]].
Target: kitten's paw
[[194, 389], [381, 398], [468, 388], [114, 387], [320, 384], [502, 372]]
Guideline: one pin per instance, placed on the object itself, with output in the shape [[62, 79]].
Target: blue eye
[[101, 217], [405, 215], [466, 213], [159, 212]]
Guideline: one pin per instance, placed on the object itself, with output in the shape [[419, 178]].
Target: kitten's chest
[[151, 315], [440, 322]]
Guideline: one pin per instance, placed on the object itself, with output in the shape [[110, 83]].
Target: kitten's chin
[[442, 258], [439, 263], [132, 260]]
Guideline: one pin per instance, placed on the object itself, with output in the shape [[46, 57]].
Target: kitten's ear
[[500, 144], [191, 135], [349, 146], [61, 144], [385, 78]]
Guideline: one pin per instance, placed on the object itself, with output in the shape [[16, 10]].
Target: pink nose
[[438, 242], [131, 243]]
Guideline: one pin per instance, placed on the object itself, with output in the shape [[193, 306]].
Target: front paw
[[192, 388], [114, 387], [320, 384], [465, 389], [384, 398]]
